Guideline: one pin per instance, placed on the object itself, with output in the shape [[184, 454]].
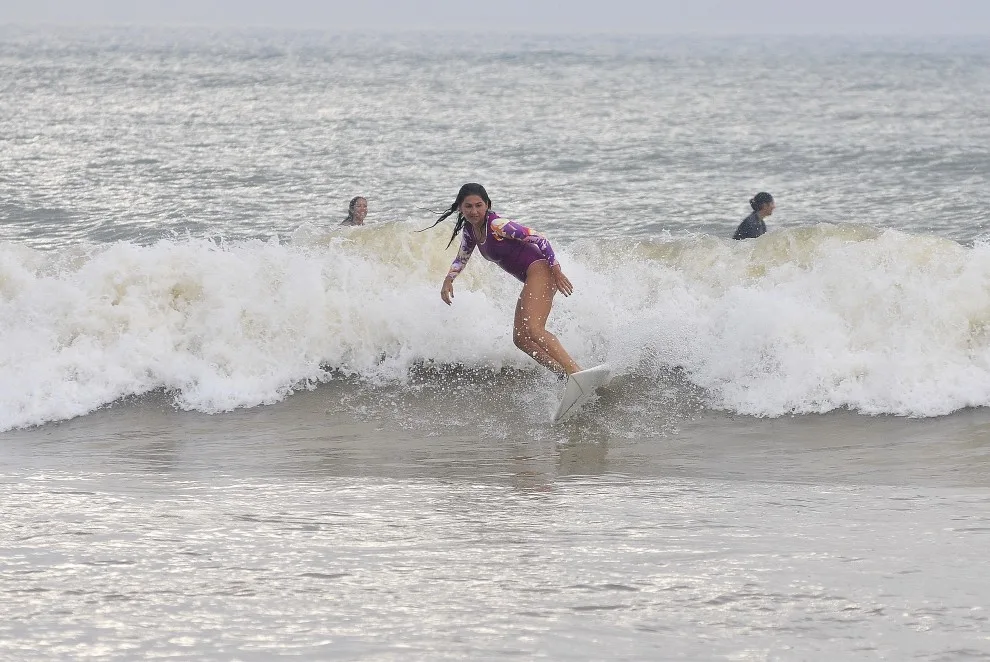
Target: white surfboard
[[581, 388]]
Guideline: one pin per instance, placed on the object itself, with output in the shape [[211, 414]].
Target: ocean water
[[231, 429]]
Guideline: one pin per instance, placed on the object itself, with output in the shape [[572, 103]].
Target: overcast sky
[[633, 16]]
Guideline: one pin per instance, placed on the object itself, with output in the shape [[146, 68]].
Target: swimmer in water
[[753, 225], [356, 211], [522, 253]]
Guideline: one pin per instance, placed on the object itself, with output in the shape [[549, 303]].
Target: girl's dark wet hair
[[466, 190], [760, 199], [350, 209]]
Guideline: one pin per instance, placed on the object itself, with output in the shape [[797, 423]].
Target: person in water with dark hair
[[521, 252], [753, 225], [356, 211]]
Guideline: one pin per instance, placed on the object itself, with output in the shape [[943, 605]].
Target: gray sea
[[231, 429]]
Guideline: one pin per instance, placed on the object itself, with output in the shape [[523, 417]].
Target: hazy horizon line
[[505, 30]]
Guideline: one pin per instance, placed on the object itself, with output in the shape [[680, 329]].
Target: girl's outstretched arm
[[460, 261]]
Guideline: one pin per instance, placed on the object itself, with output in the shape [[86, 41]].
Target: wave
[[804, 320]]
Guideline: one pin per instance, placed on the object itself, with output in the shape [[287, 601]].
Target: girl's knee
[[533, 333]]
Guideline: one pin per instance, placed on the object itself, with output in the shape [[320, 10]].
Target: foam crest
[[819, 318], [232, 325], [803, 320]]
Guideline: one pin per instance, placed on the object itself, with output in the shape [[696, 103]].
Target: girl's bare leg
[[529, 329]]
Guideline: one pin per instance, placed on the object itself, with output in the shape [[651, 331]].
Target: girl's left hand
[[561, 281]]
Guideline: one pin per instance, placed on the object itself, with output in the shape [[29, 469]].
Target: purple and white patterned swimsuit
[[508, 244]]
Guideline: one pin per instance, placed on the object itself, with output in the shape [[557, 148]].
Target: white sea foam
[[803, 320]]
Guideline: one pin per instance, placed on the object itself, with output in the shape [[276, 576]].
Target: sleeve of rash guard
[[463, 255], [512, 230]]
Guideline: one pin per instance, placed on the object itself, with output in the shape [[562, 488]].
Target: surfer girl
[[522, 253]]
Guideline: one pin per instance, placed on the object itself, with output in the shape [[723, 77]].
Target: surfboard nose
[[580, 389]]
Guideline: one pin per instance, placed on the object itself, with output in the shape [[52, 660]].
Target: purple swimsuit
[[508, 244]]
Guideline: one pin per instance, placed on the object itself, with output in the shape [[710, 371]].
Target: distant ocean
[[231, 429]]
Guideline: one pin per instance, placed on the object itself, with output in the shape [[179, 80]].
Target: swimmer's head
[[357, 209], [760, 200]]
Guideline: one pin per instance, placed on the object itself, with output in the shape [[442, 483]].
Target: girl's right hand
[[562, 282], [447, 291]]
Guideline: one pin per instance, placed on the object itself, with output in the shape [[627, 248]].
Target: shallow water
[[140, 531]]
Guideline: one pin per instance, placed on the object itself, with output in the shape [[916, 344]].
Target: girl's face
[[474, 209], [360, 211]]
